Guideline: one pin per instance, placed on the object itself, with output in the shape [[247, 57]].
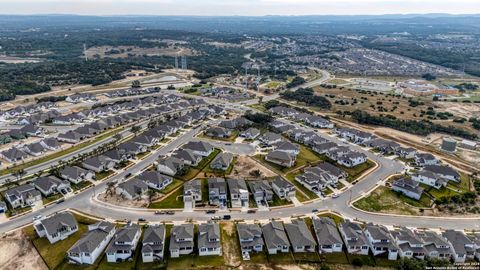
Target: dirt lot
[[118, 200], [465, 110], [125, 51], [245, 165], [18, 253]]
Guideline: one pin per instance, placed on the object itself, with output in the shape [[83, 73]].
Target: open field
[[134, 51], [19, 253], [245, 166]]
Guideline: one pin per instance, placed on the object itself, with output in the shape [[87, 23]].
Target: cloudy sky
[[237, 7]]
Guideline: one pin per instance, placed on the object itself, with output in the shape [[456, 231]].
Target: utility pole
[[85, 51]]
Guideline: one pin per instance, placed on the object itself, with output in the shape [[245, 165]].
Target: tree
[[19, 173], [136, 84], [429, 77], [260, 99], [110, 189], [151, 195], [135, 129]]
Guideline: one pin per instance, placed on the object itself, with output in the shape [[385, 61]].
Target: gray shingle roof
[[274, 234], [299, 234], [326, 231], [57, 222]]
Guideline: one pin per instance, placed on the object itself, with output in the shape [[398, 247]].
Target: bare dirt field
[[465, 110], [18, 253], [245, 165], [120, 201], [126, 51]]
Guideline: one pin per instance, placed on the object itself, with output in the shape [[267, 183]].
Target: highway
[[85, 203]]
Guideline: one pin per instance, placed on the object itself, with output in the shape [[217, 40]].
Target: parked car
[[210, 211], [335, 195], [159, 212], [251, 211], [216, 218], [37, 217], [142, 220], [170, 212], [314, 210], [60, 201], [227, 217]]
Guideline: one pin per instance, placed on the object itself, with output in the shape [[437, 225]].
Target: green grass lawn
[[309, 194], [338, 219], [357, 171], [174, 200], [176, 183], [340, 185], [54, 255], [385, 200], [276, 201], [194, 171], [307, 156], [442, 192], [143, 154], [464, 184], [52, 198], [258, 107], [80, 185], [219, 173], [102, 175]]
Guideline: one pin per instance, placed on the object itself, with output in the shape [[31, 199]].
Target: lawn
[[143, 154], [102, 175], [174, 200], [194, 171], [385, 200], [51, 198], [464, 184], [309, 194], [176, 183], [81, 185], [304, 158], [54, 254], [357, 171], [438, 193], [220, 173], [258, 107], [276, 201], [338, 219]]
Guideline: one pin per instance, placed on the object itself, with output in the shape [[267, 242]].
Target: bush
[[357, 262]]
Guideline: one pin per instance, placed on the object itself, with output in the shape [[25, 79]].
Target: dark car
[[128, 175], [227, 217], [60, 201], [210, 211], [142, 220], [251, 211], [170, 212]]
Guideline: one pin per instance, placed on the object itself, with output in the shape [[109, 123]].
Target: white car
[[335, 195], [37, 217]]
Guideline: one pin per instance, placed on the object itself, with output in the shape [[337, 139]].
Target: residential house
[[201, 148], [218, 132], [236, 123], [281, 158], [76, 174], [288, 147], [238, 192], [443, 171], [98, 164], [408, 188], [192, 191], [33, 131], [354, 238], [250, 237], [381, 241], [328, 238], [3, 207], [71, 137], [315, 179], [409, 244], [300, 236], [90, 246], [283, 189], [50, 144], [275, 237], [34, 149], [217, 191], [461, 246], [170, 165], [317, 121], [436, 247], [187, 156], [181, 240], [132, 189], [222, 161], [262, 191], [50, 185], [209, 239], [153, 244], [13, 155], [406, 153], [132, 149], [250, 134], [124, 242], [352, 159], [155, 180], [270, 138], [57, 227], [324, 147], [429, 178], [422, 159], [23, 196], [335, 172]]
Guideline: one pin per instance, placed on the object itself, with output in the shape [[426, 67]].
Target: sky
[[238, 7]]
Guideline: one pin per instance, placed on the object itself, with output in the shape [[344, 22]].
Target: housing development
[[330, 165]]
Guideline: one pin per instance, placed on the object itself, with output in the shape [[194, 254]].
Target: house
[[192, 191], [429, 178], [187, 156], [181, 240], [3, 207], [261, 190], [236, 123], [283, 189], [147, 141], [170, 165], [153, 244], [352, 159], [281, 158], [31, 130], [76, 174], [34, 149], [155, 180], [209, 240], [406, 153], [200, 148], [238, 192], [409, 244], [71, 137], [288, 147], [422, 159], [315, 179], [57, 227], [90, 246], [250, 134], [275, 237], [408, 188], [335, 172], [353, 237], [436, 247], [116, 155], [217, 191], [250, 237], [317, 121], [222, 161], [324, 147], [13, 155], [461, 246], [328, 238], [131, 148], [270, 138], [50, 185], [132, 189], [122, 247], [475, 238], [98, 164], [50, 144], [380, 241], [300, 236], [23, 196], [443, 171], [218, 132], [283, 111]]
